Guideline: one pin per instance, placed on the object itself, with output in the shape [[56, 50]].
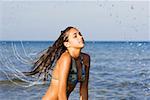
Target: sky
[[99, 20]]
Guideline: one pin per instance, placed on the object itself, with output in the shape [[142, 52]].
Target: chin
[[79, 46], [82, 46]]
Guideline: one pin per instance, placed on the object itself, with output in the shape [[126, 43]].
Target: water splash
[[14, 74]]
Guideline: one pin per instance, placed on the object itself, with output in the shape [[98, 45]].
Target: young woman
[[68, 64]]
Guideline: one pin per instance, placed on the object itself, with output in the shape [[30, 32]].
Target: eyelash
[[75, 36]]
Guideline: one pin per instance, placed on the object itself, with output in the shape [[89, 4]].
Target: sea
[[119, 70]]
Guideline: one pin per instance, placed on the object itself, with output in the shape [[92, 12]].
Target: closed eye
[[74, 35]]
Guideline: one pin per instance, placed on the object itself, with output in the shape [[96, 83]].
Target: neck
[[74, 52]]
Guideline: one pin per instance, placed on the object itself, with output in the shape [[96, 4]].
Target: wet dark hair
[[48, 59]]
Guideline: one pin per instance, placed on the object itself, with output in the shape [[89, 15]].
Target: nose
[[80, 36]]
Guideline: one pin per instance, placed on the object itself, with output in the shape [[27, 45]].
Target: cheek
[[74, 42]]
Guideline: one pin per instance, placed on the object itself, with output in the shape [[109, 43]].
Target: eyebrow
[[74, 33]]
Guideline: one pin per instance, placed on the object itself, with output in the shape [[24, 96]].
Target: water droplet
[[110, 14], [100, 5], [120, 22], [134, 18], [136, 30], [131, 44], [132, 7], [140, 44]]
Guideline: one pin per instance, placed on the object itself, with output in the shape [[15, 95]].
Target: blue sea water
[[119, 70]]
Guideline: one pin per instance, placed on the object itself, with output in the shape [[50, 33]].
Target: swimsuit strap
[[83, 69]]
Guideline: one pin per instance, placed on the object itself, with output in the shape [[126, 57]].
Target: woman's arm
[[84, 85], [64, 66]]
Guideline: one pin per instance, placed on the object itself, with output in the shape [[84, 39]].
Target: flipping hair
[[49, 58]]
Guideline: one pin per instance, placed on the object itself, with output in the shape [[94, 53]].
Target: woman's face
[[75, 38]]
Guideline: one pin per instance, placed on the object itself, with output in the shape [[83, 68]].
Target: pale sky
[[107, 20]]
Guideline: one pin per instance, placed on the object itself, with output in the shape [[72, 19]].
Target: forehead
[[72, 31]]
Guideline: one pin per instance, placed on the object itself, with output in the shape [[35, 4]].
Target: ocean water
[[119, 70]]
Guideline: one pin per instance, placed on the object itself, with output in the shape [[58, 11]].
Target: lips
[[81, 41]]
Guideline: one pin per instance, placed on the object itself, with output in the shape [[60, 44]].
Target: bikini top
[[73, 73]]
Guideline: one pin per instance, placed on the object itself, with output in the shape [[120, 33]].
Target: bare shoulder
[[86, 58], [65, 57]]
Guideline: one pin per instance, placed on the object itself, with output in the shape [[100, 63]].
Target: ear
[[67, 44]]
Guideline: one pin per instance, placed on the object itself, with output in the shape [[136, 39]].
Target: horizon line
[[85, 41]]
